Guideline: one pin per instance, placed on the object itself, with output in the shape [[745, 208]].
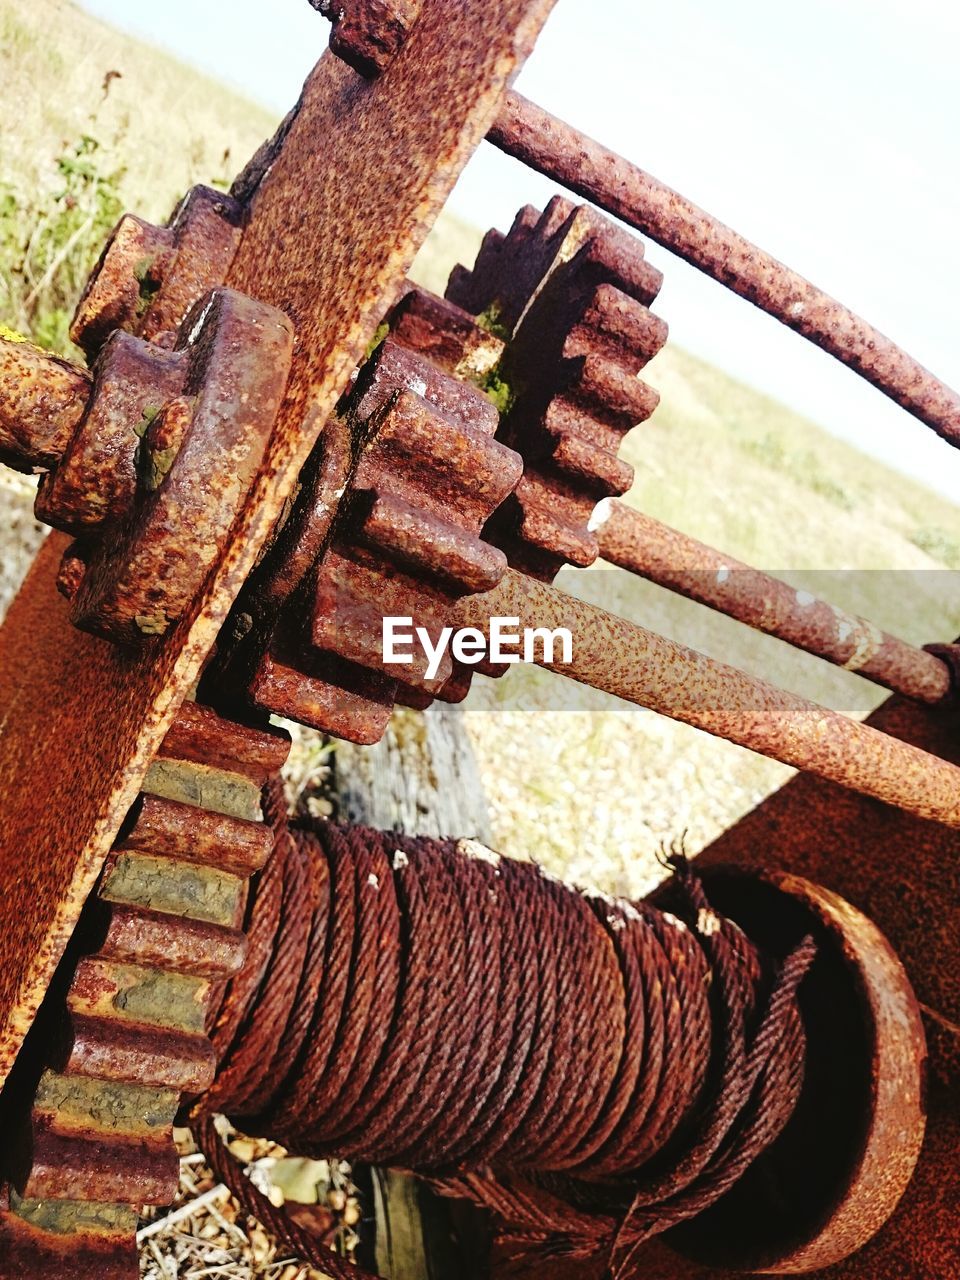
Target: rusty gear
[[388, 521], [149, 277], [572, 292], [154, 465], [157, 940]]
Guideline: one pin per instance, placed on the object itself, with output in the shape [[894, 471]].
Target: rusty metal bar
[[624, 659], [528, 133], [644, 546]]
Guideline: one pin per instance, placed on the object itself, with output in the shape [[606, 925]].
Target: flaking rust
[[905, 874], [196, 462], [150, 463], [399, 534], [42, 399], [149, 277]]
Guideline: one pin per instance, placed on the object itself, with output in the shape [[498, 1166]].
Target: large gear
[[125, 1025]]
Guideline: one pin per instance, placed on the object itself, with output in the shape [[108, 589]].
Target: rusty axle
[[637, 542], [555, 149], [639, 666]]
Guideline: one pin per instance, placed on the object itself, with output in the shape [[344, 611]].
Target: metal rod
[[553, 148], [652, 550], [615, 655]]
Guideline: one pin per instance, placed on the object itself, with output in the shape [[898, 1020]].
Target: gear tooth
[[67, 1240], [408, 541], [161, 928], [575, 291]]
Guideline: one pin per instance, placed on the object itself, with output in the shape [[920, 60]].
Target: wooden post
[[422, 779]]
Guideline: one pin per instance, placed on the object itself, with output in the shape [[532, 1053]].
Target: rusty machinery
[[279, 440]]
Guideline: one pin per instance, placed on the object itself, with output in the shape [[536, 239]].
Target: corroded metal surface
[[421, 474], [149, 277], [333, 282], [70, 1243], [842, 1165], [592, 171], [653, 550], [447, 336], [163, 451], [564, 296], [639, 666], [201, 736], [197, 460], [367, 34], [162, 460], [900, 870], [376, 30], [572, 292], [903, 872], [42, 398], [129, 1036], [94, 482], [919, 1242], [424, 475]]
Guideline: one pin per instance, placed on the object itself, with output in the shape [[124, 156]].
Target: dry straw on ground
[[205, 1235]]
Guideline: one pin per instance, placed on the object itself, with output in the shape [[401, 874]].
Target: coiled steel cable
[[592, 1071]]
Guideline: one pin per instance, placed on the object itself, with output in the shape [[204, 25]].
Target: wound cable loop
[[593, 1071]]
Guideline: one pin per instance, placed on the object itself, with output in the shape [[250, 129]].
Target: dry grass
[[166, 125], [205, 1235], [94, 123]]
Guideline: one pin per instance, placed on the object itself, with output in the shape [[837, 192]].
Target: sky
[[825, 131]]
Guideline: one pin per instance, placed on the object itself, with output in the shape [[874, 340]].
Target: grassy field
[[586, 786], [94, 123], [163, 125]]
